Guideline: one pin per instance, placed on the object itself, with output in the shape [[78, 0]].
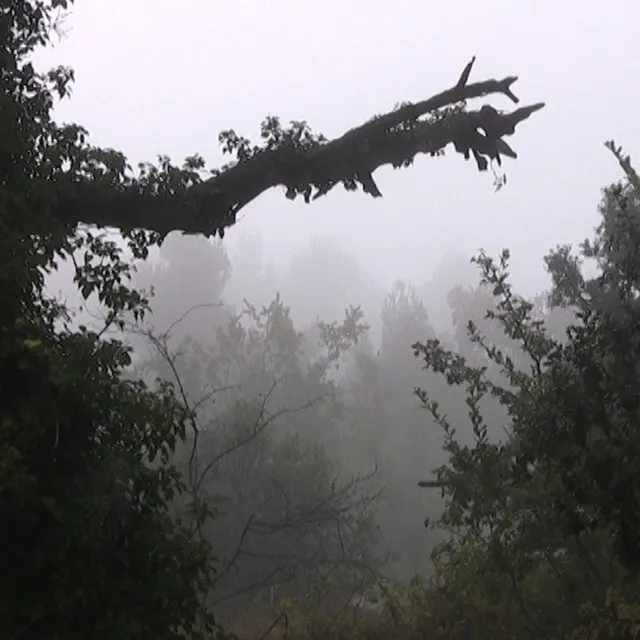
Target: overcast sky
[[155, 76]]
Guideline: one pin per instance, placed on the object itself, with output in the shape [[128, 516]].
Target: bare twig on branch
[[304, 164]]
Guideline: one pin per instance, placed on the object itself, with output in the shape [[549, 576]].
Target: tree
[[325, 293], [262, 456], [101, 188], [88, 546], [407, 444], [176, 283], [544, 523]]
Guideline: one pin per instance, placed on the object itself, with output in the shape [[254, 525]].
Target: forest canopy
[[165, 474]]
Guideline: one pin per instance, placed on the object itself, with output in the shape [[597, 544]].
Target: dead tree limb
[[303, 163]]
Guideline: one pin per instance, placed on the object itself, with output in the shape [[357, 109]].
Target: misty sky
[[155, 76]]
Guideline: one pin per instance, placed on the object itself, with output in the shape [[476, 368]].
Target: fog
[[154, 77], [158, 77]]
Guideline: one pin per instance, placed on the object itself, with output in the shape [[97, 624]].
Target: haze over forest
[[307, 346], [169, 86]]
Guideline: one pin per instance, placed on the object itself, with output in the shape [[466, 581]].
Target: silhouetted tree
[[88, 544], [99, 186], [544, 523]]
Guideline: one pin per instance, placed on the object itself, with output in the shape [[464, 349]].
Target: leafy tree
[[264, 455], [88, 544], [325, 293], [544, 524], [175, 282], [254, 276], [365, 403], [406, 443]]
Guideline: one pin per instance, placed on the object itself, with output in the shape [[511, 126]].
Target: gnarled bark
[[308, 168]]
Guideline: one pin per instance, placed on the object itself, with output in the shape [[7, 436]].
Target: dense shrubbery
[[89, 547]]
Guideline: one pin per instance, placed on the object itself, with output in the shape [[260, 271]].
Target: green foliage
[[106, 485], [544, 522], [88, 545], [540, 500]]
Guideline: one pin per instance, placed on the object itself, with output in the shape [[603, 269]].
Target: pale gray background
[[160, 76]]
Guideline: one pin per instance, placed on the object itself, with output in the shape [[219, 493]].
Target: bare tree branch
[[230, 563], [303, 163]]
